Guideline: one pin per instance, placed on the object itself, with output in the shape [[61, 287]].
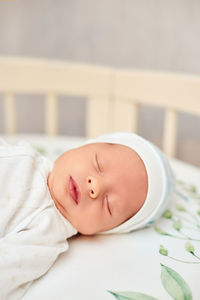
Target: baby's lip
[[74, 190]]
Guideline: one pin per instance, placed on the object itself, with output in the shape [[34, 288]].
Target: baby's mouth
[[74, 190]]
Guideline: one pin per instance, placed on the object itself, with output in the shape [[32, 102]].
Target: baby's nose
[[93, 186]]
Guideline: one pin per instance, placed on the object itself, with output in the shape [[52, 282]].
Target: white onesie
[[32, 230]]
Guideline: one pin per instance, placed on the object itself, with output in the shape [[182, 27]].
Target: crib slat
[[125, 115], [51, 111], [10, 113], [178, 91], [135, 117], [170, 132], [97, 116]]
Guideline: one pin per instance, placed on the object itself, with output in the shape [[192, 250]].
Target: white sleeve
[[24, 256]]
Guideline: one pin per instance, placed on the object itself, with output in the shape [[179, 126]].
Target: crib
[[130, 266], [113, 96]]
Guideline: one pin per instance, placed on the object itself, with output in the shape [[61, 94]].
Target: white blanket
[[32, 231]]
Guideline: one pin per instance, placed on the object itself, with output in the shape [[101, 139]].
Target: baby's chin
[[89, 231]]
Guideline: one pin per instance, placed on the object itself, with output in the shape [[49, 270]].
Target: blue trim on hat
[[171, 181]]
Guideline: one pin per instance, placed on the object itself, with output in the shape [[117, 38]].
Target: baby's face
[[98, 186]]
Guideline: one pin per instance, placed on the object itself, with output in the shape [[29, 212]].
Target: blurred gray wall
[[143, 34]]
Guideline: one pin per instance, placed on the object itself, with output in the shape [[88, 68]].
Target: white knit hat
[[161, 181]]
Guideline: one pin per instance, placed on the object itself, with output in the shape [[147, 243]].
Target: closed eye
[[108, 206], [106, 198], [97, 163]]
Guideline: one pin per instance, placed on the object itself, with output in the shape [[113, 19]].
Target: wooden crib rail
[[173, 92], [51, 79], [113, 96]]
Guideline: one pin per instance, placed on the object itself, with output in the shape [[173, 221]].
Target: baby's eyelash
[[97, 162], [108, 206]]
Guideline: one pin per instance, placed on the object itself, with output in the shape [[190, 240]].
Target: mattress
[[158, 262]]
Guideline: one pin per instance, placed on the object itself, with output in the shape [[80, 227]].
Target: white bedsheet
[[130, 265]]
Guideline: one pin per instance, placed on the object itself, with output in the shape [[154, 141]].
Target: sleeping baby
[[113, 184]]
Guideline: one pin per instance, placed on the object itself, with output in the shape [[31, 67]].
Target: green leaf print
[[163, 250], [177, 225], [160, 231], [174, 284], [167, 214], [180, 207], [131, 296], [189, 247], [192, 188], [41, 150]]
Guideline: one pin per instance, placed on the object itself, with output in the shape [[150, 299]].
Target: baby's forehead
[[102, 144], [114, 151], [98, 146], [106, 145], [112, 146]]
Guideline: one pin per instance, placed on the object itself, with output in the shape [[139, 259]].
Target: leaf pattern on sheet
[[126, 295], [190, 189], [41, 150], [174, 284], [185, 222], [163, 251]]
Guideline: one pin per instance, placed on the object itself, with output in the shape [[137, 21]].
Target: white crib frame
[[113, 95]]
